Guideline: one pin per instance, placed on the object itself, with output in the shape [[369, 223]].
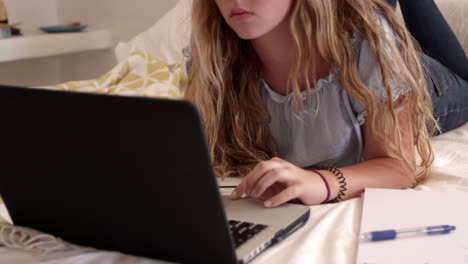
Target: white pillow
[[166, 39]]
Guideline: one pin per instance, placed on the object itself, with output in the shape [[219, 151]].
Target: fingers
[[259, 171], [239, 190], [270, 178], [272, 191], [247, 185], [286, 195]]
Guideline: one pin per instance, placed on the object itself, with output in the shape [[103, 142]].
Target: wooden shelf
[[43, 45]]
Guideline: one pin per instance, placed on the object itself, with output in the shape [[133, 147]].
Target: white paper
[[385, 209]]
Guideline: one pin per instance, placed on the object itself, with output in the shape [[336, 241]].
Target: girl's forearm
[[388, 173]]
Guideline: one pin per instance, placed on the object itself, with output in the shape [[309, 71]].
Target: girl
[[288, 87]]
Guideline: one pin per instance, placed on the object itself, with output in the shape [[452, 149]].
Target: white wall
[[32, 13], [125, 18], [32, 72], [37, 72]]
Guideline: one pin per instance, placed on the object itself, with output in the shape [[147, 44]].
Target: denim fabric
[[449, 93]]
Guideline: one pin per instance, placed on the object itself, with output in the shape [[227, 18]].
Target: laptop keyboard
[[243, 231]]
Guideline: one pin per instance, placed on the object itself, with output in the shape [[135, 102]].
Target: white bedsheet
[[330, 235]]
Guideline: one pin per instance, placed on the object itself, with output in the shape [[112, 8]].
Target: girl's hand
[[278, 181]]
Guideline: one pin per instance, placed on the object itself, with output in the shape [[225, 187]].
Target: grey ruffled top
[[330, 137], [333, 136]]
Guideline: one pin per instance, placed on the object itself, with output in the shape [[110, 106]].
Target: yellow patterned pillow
[[139, 75]]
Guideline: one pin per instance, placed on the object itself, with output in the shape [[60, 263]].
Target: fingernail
[[254, 194], [267, 204], [234, 194]]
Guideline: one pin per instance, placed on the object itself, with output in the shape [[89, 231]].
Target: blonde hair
[[224, 79]]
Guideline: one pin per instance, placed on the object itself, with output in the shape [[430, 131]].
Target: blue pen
[[392, 233]]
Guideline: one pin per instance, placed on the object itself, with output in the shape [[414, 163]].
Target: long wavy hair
[[224, 79]]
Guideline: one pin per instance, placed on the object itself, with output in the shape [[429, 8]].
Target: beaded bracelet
[[341, 179]]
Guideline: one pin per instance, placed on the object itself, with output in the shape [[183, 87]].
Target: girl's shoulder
[[360, 44], [368, 66]]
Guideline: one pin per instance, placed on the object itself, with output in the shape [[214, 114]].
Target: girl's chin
[[247, 35]]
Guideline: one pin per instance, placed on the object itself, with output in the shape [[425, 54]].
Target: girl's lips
[[240, 14]]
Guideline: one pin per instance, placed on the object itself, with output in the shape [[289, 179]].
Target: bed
[[330, 235]]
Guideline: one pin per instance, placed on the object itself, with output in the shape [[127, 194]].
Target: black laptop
[[128, 174]]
